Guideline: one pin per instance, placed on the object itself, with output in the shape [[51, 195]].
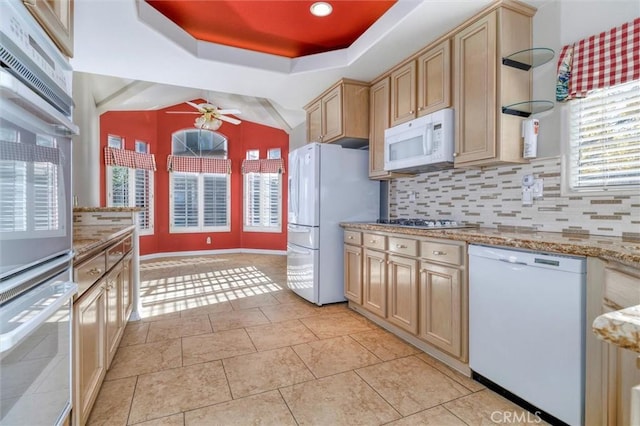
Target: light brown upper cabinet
[[56, 17], [378, 122], [423, 85], [340, 114], [434, 79], [484, 135], [403, 93]]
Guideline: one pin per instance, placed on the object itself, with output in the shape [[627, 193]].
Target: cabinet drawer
[[403, 246], [127, 244], [114, 254], [621, 288], [90, 271], [375, 241], [353, 237], [442, 252]]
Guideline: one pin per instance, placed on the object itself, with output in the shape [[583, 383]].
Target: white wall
[[86, 146], [560, 22], [298, 136]]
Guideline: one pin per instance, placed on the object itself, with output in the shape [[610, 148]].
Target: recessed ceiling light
[[321, 8]]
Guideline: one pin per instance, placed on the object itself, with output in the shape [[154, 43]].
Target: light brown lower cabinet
[[440, 307], [100, 316], [353, 273], [417, 285], [89, 339], [620, 367], [402, 298], [374, 286]]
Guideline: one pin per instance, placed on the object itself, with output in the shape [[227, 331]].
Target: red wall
[[155, 128]]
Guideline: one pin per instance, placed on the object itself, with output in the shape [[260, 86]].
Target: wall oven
[[36, 291]]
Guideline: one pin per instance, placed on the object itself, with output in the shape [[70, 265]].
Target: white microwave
[[420, 145]]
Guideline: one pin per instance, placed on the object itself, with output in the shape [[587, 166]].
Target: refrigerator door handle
[[300, 252], [299, 230]]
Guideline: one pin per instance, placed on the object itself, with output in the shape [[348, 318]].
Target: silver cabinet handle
[[94, 271], [401, 246], [357, 254], [439, 253], [351, 237], [372, 241], [381, 261]]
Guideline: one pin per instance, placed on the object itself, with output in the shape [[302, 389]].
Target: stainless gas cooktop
[[425, 223]]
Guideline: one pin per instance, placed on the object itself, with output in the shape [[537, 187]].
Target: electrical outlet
[[412, 196], [208, 240], [538, 188]]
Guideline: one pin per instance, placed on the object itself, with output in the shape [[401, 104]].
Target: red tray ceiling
[[284, 28]]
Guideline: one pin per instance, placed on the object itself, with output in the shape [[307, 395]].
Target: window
[[130, 186], [603, 153], [262, 192], [199, 182]]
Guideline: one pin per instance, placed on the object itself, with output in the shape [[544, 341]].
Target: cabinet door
[[475, 91], [403, 94], [56, 17], [89, 350], [434, 79], [314, 123], [353, 273], [332, 115], [127, 290], [113, 311], [402, 296], [441, 307], [374, 291], [379, 121]]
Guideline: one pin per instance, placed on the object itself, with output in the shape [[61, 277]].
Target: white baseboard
[[212, 252]]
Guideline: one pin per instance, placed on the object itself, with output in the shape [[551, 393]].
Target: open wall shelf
[[529, 58], [525, 109]]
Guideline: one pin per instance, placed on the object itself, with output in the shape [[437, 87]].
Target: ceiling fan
[[211, 117]]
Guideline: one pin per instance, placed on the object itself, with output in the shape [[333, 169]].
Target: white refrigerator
[[328, 184]]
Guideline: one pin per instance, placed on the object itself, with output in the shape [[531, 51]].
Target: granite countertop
[[609, 248], [89, 238], [106, 209], [621, 328]]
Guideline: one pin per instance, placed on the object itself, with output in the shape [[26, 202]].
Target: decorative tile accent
[[491, 198]]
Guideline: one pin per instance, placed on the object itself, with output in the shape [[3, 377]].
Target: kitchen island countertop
[[89, 238], [621, 328]]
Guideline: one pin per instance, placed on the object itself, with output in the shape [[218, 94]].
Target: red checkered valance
[[272, 166], [609, 58], [176, 163], [130, 159], [250, 166], [263, 166], [216, 165]]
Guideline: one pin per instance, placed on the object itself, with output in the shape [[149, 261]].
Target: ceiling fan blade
[[183, 112], [229, 111], [229, 119], [196, 106]]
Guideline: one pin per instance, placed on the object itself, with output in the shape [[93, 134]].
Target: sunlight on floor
[[176, 290]]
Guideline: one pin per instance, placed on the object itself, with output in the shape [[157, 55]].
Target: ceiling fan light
[[321, 8]]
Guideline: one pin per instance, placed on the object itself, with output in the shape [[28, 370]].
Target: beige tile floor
[[223, 342]]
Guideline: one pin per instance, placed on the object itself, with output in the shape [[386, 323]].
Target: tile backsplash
[[492, 197]]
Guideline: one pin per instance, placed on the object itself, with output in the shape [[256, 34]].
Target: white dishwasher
[[527, 328]]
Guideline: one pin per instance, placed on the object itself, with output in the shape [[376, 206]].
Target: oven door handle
[[13, 338]]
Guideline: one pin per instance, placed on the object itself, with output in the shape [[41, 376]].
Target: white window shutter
[[605, 139]]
